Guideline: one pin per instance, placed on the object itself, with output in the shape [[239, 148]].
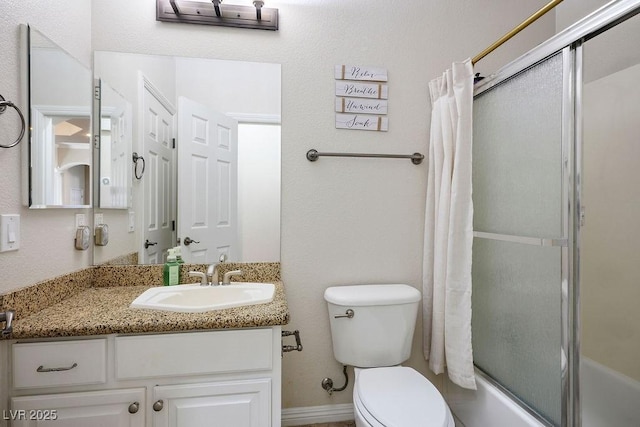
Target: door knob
[[147, 243], [188, 240], [158, 406], [133, 408]]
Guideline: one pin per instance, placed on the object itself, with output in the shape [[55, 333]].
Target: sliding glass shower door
[[520, 254]]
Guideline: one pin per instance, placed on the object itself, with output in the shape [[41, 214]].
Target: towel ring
[[3, 107], [135, 168]]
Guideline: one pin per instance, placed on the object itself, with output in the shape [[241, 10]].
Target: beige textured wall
[[610, 272], [47, 235], [343, 220]]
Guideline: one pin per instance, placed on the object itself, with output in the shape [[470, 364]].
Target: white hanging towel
[[449, 228]]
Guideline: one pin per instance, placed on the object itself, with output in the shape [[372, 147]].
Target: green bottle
[[171, 270]]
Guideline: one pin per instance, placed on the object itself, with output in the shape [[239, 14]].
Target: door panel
[[207, 196], [158, 179]]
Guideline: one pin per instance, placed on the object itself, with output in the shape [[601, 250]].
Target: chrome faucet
[[212, 271], [226, 279]]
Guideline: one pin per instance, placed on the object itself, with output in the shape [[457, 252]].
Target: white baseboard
[[316, 414]]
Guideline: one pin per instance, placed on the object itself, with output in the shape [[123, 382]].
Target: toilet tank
[[381, 329]]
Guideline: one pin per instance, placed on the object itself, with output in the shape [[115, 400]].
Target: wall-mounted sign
[[362, 122], [359, 92], [361, 105], [354, 72]]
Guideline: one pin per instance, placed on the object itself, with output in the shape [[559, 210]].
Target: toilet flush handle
[[348, 314]]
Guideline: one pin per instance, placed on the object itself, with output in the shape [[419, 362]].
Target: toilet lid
[[398, 397]]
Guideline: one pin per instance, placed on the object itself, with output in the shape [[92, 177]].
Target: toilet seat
[[399, 397]]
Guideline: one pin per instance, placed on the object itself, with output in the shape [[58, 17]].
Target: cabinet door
[[108, 408], [223, 404]]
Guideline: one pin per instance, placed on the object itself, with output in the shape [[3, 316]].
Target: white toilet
[[372, 328]]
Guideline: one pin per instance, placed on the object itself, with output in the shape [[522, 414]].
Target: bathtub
[[487, 406], [608, 397]]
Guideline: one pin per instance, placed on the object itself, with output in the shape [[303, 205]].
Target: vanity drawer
[[60, 363], [193, 353]]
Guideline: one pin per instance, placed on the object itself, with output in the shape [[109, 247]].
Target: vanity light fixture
[[214, 13]]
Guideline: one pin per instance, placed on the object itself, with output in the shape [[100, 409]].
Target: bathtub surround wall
[[344, 221], [609, 268]]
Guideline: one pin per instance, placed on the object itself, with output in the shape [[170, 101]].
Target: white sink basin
[[196, 298]]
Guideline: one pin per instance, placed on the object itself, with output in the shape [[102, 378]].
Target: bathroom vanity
[[176, 379], [90, 360]]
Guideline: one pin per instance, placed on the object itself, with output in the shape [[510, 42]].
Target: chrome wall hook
[[3, 107]]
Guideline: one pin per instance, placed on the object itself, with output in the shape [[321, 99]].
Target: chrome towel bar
[[416, 158]]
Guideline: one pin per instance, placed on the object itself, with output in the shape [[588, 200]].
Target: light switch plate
[[9, 233]]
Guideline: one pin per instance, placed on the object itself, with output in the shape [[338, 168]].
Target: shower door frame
[[569, 42]]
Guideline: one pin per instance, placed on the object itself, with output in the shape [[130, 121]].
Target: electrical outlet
[[80, 220]]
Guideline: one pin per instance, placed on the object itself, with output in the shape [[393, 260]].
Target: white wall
[[343, 220], [47, 235], [259, 192]]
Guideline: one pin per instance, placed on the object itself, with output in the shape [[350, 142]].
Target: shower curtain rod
[[530, 20]]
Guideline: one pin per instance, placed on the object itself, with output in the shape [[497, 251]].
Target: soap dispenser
[[171, 270]]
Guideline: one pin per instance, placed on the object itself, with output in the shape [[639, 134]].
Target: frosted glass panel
[[517, 320], [517, 161]]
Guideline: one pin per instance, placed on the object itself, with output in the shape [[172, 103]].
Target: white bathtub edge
[[486, 406]]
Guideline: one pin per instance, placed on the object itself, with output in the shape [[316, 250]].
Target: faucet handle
[[226, 279], [202, 276]]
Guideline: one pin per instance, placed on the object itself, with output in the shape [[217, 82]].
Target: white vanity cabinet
[[188, 379], [116, 408]]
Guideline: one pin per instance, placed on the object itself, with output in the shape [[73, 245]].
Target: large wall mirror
[[60, 154], [205, 134]]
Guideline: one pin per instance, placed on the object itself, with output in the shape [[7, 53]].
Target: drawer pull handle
[[43, 369], [158, 405], [133, 408]]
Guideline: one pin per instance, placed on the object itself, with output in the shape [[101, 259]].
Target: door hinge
[[582, 215], [96, 92], [173, 225], [173, 143]]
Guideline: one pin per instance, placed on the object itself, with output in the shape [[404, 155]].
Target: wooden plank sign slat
[[356, 72], [361, 105], [361, 90], [364, 122]]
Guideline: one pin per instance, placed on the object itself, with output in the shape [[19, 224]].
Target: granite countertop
[[44, 311], [105, 310]]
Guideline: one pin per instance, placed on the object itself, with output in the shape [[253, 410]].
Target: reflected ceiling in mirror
[[60, 155], [218, 191]]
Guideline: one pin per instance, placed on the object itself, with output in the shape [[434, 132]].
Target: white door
[[158, 179], [224, 404], [207, 183], [109, 408]]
